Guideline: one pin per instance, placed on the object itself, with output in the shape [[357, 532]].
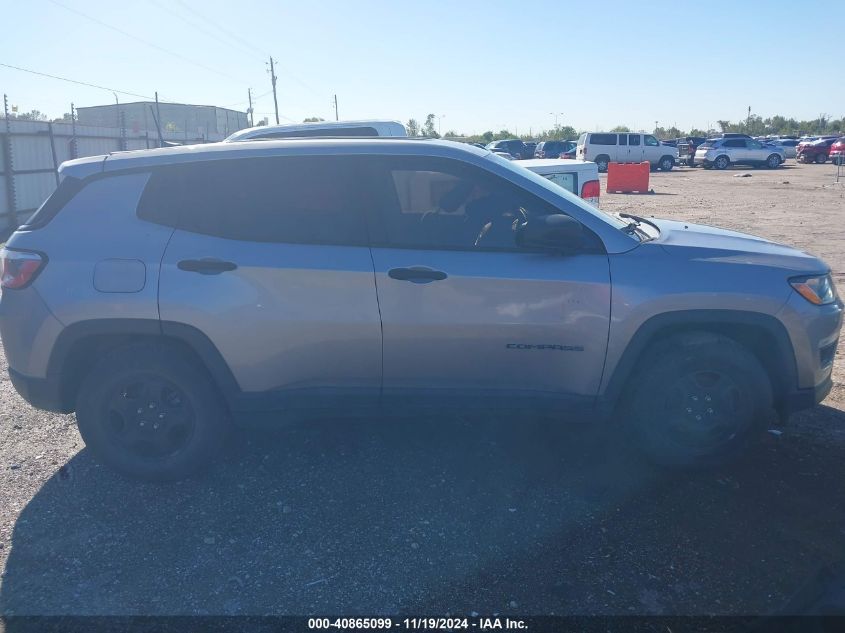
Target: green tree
[[428, 127], [413, 127], [620, 128]]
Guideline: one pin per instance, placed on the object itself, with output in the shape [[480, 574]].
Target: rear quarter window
[[55, 202]]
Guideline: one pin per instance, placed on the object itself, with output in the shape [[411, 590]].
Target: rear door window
[[634, 139], [310, 200], [734, 142]]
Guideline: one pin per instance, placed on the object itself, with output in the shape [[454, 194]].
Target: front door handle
[[417, 274], [206, 266]]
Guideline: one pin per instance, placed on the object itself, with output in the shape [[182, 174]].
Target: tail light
[[590, 191], [18, 269]]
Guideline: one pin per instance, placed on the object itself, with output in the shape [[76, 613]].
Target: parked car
[[530, 149], [576, 176], [814, 151], [789, 146], [603, 148], [138, 299], [552, 149], [686, 149], [513, 146], [320, 128], [837, 152], [569, 154], [721, 152], [503, 154], [735, 135]]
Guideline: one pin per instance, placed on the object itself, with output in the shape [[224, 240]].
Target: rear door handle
[[206, 266], [417, 274]]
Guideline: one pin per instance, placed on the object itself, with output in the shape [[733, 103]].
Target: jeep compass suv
[[165, 295]]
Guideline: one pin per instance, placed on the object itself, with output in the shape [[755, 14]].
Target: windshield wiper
[[638, 219]]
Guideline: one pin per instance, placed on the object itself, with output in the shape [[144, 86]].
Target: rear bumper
[[42, 393]]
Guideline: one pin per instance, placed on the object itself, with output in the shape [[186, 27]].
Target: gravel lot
[[446, 516]]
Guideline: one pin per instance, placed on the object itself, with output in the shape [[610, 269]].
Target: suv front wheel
[[151, 412], [696, 399]]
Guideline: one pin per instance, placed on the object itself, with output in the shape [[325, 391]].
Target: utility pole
[[273, 80], [158, 123], [336, 117], [251, 118]]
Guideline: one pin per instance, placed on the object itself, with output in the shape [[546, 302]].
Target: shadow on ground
[[432, 517]]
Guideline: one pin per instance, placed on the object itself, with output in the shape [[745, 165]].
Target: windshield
[[559, 191]]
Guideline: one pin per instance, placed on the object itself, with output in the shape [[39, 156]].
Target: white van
[[603, 148], [576, 176], [320, 128]]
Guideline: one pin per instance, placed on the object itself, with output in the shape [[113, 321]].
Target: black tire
[[721, 162], [602, 162], [151, 412], [773, 161], [666, 163], [666, 408], [820, 158]]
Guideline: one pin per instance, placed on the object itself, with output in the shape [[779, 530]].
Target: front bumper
[[802, 399]]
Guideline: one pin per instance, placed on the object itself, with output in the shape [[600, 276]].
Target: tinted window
[[651, 141], [434, 203], [734, 142], [623, 139], [290, 199], [603, 139], [634, 139]]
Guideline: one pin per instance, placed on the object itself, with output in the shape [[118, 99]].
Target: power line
[[247, 43], [74, 81], [202, 30], [143, 41], [223, 30]]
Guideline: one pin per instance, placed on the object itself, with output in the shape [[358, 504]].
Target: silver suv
[[721, 152], [165, 295]]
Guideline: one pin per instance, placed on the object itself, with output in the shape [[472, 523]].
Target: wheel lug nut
[[140, 410], [695, 398], [160, 416], [689, 409], [152, 405], [709, 410], [155, 426], [698, 417], [141, 423]]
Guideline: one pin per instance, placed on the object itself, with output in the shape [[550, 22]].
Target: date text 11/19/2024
[[413, 624]]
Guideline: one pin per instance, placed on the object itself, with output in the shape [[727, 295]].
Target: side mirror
[[554, 232]]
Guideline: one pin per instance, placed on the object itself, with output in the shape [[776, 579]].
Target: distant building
[[196, 121]]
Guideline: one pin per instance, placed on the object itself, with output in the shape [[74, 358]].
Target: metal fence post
[[12, 222], [53, 152], [74, 152]]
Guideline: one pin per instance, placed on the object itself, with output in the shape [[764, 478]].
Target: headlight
[[817, 289]]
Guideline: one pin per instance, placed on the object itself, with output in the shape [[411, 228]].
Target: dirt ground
[[455, 516]]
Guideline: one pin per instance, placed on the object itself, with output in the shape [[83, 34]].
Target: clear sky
[[480, 64]]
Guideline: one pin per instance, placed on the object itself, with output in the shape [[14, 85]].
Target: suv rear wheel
[[721, 162], [151, 413], [820, 158], [666, 163], [696, 399], [773, 161]]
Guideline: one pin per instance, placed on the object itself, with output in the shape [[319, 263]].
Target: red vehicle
[[837, 152], [814, 151]]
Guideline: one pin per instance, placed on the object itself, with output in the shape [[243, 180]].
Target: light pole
[[440, 117], [556, 115]]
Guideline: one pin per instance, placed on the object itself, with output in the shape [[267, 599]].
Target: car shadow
[[424, 516]]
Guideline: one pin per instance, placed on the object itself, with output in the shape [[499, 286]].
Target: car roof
[[268, 147]]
